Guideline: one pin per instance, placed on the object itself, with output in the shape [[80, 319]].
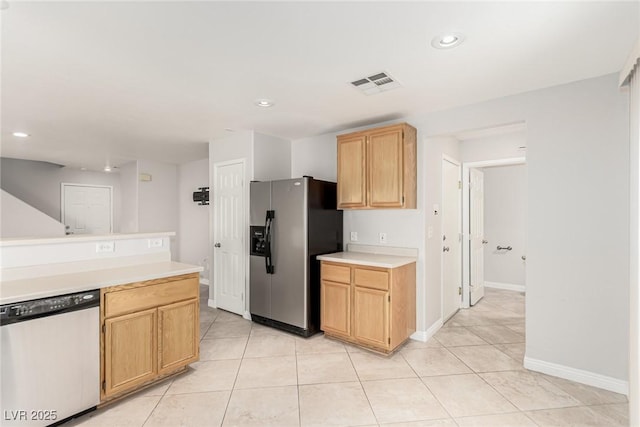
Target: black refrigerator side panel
[[325, 221], [325, 236]]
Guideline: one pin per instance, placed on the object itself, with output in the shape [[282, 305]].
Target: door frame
[[466, 235], [212, 239], [459, 165], [110, 187]]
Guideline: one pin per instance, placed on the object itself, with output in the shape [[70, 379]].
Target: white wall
[[157, 200], [193, 226], [316, 157], [505, 202], [271, 158], [19, 219], [129, 197], [38, 184], [495, 147], [578, 189]]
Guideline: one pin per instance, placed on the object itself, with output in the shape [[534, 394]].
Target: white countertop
[[12, 291], [368, 259]]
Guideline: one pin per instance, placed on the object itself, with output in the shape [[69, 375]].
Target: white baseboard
[[247, 315], [212, 303], [424, 336], [577, 375], [506, 286], [204, 282]]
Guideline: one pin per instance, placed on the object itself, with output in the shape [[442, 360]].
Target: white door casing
[[476, 235], [86, 209], [229, 235], [451, 238]]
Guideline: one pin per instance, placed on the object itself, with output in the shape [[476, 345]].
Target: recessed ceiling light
[[107, 168], [21, 134], [264, 102], [447, 41]]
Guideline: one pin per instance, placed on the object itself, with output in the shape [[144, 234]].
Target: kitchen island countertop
[[13, 291]]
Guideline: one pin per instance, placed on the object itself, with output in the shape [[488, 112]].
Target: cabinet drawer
[[376, 279], [153, 295], [336, 273]]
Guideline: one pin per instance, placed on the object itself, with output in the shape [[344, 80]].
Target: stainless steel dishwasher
[[50, 359]]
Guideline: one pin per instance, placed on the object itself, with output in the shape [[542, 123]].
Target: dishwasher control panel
[[25, 310]]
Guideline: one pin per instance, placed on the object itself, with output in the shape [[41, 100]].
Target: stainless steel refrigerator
[[292, 221]]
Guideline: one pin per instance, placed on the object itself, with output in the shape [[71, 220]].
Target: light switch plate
[[382, 237], [354, 236]]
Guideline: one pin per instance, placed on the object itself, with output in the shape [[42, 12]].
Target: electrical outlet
[[155, 243], [105, 247], [430, 232], [354, 236], [382, 237]]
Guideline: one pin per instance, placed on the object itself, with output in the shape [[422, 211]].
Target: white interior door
[[451, 239], [476, 235], [86, 209], [228, 234]]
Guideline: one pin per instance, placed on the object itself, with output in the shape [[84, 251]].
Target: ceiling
[[110, 82]]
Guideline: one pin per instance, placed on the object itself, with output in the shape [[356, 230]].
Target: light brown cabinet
[[369, 306], [149, 330], [377, 168]]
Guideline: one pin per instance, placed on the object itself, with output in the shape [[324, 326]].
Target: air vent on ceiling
[[380, 82]]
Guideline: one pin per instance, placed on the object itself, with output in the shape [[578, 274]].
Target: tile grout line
[[235, 380]]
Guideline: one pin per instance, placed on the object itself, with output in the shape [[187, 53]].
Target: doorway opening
[[494, 228]]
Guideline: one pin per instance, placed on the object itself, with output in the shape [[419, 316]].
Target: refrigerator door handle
[[267, 236]]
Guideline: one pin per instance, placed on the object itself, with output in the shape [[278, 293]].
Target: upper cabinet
[[377, 168]]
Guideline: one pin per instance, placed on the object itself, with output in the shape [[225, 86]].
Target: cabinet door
[[371, 317], [352, 191], [130, 348], [385, 168], [178, 335], [335, 308]]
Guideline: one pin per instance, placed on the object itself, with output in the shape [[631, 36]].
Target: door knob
[[484, 242], [445, 249], [217, 245]]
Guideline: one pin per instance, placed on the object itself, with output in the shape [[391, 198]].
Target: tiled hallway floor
[[469, 374]]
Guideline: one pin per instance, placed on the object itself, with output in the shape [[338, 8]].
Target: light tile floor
[[469, 374]]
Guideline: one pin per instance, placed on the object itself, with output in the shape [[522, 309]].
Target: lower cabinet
[[178, 335], [371, 317], [130, 351], [336, 312], [150, 330], [369, 306]]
